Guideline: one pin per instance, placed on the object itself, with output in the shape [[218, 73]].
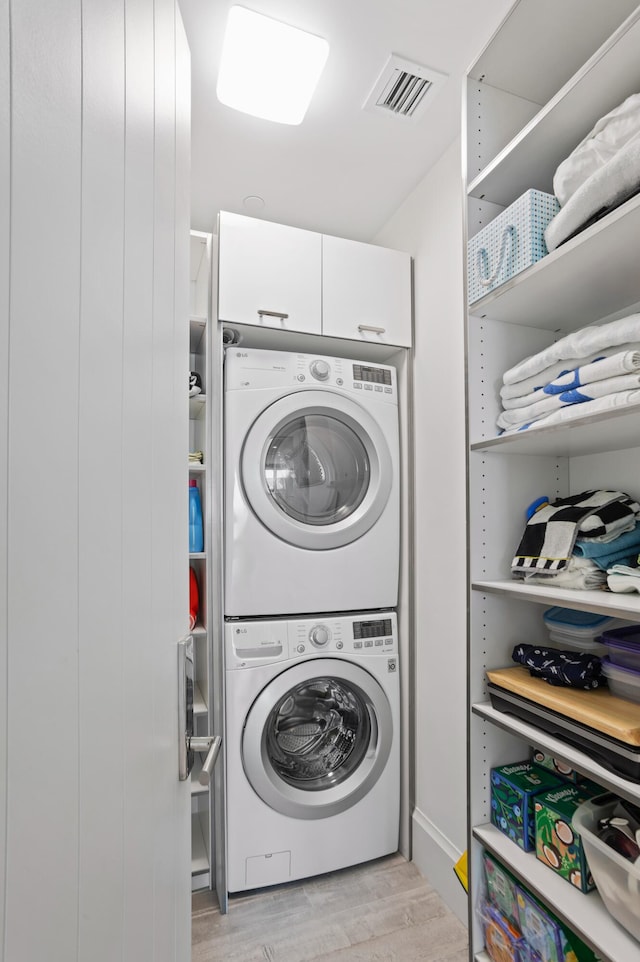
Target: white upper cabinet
[[366, 292], [269, 274], [272, 275]]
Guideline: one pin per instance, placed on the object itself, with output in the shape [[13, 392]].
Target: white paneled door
[[94, 242]]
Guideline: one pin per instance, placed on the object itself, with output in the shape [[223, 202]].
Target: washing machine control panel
[[259, 642]]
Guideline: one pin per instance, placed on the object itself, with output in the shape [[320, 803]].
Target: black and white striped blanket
[[551, 533]]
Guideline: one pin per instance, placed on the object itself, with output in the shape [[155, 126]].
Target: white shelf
[[197, 555], [197, 329], [609, 603], [199, 855], [196, 467], [607, 431], [559, 749], [570, 287], [531, 159], [583, 914]]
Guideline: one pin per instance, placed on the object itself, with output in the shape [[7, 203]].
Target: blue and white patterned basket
[[508, 244]]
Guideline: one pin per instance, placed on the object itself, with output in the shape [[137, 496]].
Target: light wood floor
[[383, 911]]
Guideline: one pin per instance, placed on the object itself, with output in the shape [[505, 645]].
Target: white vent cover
[[403, 88]]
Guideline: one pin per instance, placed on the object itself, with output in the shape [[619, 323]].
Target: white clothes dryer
[[312, 746], [312, 496]]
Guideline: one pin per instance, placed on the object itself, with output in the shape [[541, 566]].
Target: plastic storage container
[[623, 682], [617, 879], [579, 630], [196, 529], [623, 646]]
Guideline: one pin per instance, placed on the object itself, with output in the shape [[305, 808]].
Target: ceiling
[[344, 170]]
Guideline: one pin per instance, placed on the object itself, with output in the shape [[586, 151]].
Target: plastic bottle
[[196, 531]]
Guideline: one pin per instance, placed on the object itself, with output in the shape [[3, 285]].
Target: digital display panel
[[377, 375], [371, 629]]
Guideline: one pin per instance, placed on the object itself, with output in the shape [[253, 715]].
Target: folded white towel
[[623, 579], [537, 381], [580, 573], [606, 188], [574, 411], [625, 362], [597, 389], [587, 341], [603, 141]]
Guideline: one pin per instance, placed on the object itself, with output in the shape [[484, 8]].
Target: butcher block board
[[598, 709]]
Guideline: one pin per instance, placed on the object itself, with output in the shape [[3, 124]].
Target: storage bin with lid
[[617, 878], [577, 629], [623, 646], [623, 682]]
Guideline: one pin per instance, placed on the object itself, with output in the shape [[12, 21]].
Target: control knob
[[319, 636], [320, 370]]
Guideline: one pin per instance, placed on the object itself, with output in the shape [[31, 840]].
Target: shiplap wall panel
[[163, 471], [95, 815], [102, 733], [182, 245], [43, 719], [5, 222], [138, 828]]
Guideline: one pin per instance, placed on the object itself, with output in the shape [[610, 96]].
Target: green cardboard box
[[555, 765], [513, 789], [557, 845]]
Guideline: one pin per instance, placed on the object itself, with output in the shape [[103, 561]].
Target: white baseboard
[[435, 856]]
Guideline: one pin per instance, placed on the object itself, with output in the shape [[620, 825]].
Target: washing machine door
[[316, 469], [317, 738]]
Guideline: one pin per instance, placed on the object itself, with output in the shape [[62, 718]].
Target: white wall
[[429, 226], [94, 239]]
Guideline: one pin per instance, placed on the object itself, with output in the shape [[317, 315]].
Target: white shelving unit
[[199, 440], [532, 95]]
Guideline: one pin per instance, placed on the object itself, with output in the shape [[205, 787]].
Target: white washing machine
[[312, 745], [311, 484]]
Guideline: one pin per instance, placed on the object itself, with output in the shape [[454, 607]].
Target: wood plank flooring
[[383, 911]]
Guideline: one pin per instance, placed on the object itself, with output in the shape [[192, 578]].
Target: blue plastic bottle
[[196, 530]]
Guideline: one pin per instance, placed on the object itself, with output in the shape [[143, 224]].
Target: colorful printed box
[[501, 888], [557, 845], [540, 931], [555, 765], [513, 789]]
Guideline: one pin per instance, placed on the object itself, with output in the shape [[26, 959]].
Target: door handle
[[369, 327], [278, 314], [188, 743]]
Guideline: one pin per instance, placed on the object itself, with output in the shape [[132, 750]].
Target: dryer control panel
[[258, 642]]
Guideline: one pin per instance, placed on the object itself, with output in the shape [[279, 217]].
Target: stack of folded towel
[[574, 541], [593, 369], [600, 173]]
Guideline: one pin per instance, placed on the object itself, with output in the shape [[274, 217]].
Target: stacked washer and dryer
[[312, 524]]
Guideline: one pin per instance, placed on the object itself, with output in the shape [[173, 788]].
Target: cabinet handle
[[279, 314], [208, 744], [374, 330]]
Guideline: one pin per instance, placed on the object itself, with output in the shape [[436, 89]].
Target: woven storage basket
[[508, 244]]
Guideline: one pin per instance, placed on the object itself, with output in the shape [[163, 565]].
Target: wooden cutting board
[[599, 709]]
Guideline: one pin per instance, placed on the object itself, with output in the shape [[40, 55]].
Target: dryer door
[[316, 469], [317, 738]]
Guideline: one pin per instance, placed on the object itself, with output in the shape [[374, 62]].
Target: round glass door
[[318, 733], [317, 738], [316, 469]]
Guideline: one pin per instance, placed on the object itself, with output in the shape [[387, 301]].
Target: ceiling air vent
[[403, 88]]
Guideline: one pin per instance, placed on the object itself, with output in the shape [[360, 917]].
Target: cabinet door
[[366, 292], [269, 274]]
